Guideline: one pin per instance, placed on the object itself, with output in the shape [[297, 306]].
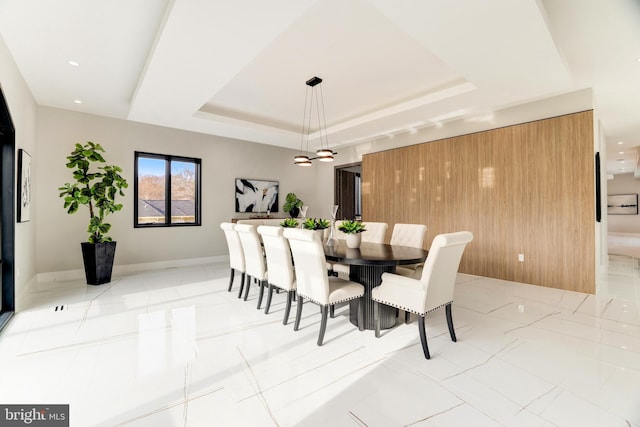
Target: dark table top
[[374, 254]]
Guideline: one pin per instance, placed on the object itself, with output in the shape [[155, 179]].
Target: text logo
[[34, 415]]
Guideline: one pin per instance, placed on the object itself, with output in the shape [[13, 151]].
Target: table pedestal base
[[370, 276]]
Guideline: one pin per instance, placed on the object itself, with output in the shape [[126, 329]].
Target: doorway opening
[[7, 219], [348, 191]]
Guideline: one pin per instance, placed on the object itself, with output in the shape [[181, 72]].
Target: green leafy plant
[[96, 189], [292, 205], [351, 227], [289, 223], [315, 224]]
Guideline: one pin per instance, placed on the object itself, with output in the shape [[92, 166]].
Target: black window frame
[[167, 170]]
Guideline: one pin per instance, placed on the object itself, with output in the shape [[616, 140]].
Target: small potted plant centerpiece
[[316, 224], [97, 190], [352, 229], [289, 223], [292, 205]]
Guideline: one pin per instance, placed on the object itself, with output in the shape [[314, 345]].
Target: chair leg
[[248, 285], [332, 311], [261, 285], [290, 295], [269, 295], [296, 325], [242, 278], [361, 314], [323, 324], [233, 272], [376, 317], [407, 317], [423, 336], [452, 331]]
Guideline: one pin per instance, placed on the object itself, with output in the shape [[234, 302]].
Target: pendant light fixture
[[323, 154]]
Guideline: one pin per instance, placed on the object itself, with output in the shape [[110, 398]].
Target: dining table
[[366, 266]]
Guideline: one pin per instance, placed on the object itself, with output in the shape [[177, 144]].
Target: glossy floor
[[174, 348]]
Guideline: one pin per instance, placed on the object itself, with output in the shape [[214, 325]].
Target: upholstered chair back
[[310, 267], [375, 233], [236, 253], [254, 259], [408, 235], [440, 268], [278, 252]]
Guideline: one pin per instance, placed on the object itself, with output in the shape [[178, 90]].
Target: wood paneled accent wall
[[524, 189]]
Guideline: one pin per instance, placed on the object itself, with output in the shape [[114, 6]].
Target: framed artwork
[[257, 196], [622, 204], [24, 186]]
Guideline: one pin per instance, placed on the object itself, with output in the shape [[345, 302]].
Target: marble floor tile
[[173, 348]]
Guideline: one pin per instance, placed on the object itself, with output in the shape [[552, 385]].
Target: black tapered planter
[[98, 261]]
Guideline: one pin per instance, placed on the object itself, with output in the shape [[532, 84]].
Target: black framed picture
[[24, 186], [622, 204], [257, 196]]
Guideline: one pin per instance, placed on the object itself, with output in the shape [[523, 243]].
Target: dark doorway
[[7, 220], [348, 191]]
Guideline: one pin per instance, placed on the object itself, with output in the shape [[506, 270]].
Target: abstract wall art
[[622, 204], [257, 196], [24, 186]]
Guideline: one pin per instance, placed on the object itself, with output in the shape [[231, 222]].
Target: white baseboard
[[122, 270]]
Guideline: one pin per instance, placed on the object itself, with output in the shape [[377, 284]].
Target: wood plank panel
[[524, 189]]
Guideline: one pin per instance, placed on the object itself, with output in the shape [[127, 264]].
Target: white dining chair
[[279, 266], [434, 290], [236, 254], [256, 267], [335, 268], [376, 232], [411, 235], [312, 281]]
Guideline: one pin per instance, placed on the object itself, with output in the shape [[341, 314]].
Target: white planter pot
[[353, 240]]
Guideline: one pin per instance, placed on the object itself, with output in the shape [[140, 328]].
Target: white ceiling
[[238, 68]]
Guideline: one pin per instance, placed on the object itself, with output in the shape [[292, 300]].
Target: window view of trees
[[163, 200]]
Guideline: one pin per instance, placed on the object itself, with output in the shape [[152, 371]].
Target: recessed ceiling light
[[74, 63], [620, 152], [620, 142], [77, 101]]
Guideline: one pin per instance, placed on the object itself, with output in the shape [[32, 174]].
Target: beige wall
[[59, 234], [22, 108], [524, 189], [623, 183]]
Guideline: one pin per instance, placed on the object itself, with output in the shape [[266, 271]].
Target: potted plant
[[96, 189], [292, 205], [289, 223], [352, 229], [315, 224]]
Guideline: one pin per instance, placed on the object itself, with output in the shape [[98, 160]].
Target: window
[[167, 190]]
